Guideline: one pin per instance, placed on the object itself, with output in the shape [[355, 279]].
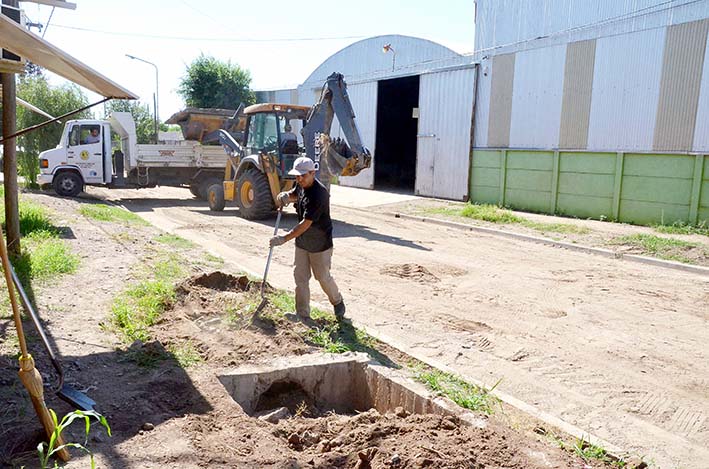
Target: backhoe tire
[[253, 195], [68, 184], [215, 197]]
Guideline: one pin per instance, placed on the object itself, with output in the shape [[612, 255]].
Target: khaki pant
[[319, 263]]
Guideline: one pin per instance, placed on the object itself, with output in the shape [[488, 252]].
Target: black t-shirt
[[314, 204]]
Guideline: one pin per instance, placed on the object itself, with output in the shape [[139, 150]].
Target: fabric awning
[[18, 40]]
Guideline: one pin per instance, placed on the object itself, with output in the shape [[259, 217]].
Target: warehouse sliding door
[[445, 119]]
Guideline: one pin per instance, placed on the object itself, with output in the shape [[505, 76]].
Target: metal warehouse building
[[414, 107], [593, 109], [584, 108]]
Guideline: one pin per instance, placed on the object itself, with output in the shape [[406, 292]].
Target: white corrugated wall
[[536, 98], [515, 22], [445, 115], [626, 89], [701, 130], [363, 97]]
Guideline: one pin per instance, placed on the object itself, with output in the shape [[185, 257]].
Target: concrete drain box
[[345, 383]]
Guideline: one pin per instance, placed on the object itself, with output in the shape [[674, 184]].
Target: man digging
[[313, 238]]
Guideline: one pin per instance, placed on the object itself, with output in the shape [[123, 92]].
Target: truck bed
[[186, 154]]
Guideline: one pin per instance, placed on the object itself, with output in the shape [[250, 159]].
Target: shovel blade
[[75, 398]]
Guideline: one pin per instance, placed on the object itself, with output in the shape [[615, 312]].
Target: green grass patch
[[174, 240], [466, 395], [111, 213], [566, 228], [212, 259], [43, 257], [683, 228], [282, 301], [34, 218], [185, 354], [327, 338], [141, 304], [587, 451], [664, 248], [494, 214]]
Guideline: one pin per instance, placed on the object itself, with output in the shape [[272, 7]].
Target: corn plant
[[47, 450]]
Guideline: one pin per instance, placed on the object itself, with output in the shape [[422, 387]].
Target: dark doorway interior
[[395, 150]]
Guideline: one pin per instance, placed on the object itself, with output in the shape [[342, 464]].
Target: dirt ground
[[616, 348], [166, 415]]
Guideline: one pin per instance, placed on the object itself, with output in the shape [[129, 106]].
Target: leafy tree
[[55, 100], [211, 83], [144, 119]]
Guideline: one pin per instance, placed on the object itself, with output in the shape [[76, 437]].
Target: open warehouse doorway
[[397, 126]]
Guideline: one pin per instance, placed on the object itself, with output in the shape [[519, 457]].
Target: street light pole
[[157, 94]]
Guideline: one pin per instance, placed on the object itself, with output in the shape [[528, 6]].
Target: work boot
[[340, 310]]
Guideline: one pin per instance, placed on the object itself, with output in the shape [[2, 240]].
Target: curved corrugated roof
[[365, 59]]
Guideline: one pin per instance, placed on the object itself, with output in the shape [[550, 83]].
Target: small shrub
[[47, 450]]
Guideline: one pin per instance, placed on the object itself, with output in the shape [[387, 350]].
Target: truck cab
[[83, 156]]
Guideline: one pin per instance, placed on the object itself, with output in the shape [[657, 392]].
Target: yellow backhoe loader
[[257, 168]]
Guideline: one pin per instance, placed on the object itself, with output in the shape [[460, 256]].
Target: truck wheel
[[215, 196], [254, 195], [68, 184], [194, 189], [204, 185]]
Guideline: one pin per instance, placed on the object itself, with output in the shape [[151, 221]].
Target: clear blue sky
[[171, 34]]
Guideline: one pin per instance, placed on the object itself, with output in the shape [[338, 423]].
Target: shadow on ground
[[128, 395]]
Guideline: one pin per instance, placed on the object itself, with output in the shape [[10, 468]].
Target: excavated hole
[[313, 385], [290, 395]]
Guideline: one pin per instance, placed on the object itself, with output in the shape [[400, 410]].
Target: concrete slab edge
[[696, 269]]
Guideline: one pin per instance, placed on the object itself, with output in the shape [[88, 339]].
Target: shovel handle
[[270, 253], [11, 292], [38, 326]]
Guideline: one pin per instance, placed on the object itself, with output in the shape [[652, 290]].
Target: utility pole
[[9, 126]]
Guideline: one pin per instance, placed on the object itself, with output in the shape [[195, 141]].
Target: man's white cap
[[302, 165]]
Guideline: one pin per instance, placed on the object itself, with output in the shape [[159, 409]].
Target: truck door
[[85, 150]]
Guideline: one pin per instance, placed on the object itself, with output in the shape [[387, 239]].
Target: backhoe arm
[[336, 156]]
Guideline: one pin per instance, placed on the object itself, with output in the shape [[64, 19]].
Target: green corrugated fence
[[640, 188]]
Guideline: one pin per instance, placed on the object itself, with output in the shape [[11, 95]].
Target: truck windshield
[[263, 134]]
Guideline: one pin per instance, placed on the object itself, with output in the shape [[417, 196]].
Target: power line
[[212, 39]]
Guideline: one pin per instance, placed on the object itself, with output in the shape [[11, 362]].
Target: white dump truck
[[88, 155]]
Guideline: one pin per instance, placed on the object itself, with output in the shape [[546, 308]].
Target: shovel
[[264, 300], [29, 375], [70, 395]]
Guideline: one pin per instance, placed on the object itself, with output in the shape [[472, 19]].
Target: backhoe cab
[[257, 168]]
